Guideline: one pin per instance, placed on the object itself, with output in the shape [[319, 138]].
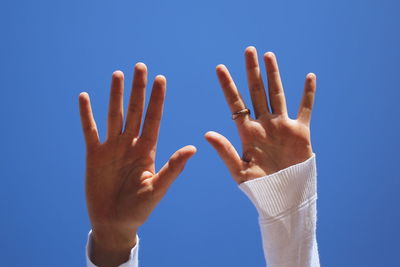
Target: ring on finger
[[239, 113]]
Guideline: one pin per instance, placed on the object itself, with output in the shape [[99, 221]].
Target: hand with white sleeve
[[277, 168], [122, 185], [271, 141]]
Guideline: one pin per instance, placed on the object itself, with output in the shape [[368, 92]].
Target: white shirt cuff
[[283, 191]]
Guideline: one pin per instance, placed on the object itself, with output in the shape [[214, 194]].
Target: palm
[[110, 180], [272, 141]]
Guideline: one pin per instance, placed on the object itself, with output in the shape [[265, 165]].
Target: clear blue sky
[[50, 51]]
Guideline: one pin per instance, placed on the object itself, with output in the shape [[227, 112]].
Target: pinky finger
[[307, 101], [88, 124]]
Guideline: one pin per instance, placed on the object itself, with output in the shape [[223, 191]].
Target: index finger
[[232, 95]]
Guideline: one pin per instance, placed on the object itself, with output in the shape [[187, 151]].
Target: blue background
[[53, 50]]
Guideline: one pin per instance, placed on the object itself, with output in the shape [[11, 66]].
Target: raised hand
[[271, 141], [122, 185]]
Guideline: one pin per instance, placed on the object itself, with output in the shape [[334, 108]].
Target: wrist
[[114, 239], [111, 247]]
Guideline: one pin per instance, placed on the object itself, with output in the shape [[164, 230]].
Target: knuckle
[[114, 114], [134, 108], [148, 191], [232, 97], [278, 125], [241, 120], [236, 102], [91, 149], [153, 117], [89, 129], [306, 110], [225, 81], [256, 87], [277, 91], [157, 98], [139, 83], [174, 164]]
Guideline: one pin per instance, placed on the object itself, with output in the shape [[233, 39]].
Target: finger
[[255, 82], [175, 165], [275, 88], [136, 101], [154, 111], [232, 95], [115, 108], [227, 152], [307, 101], [88, 123]]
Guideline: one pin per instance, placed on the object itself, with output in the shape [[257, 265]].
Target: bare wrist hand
[[122, 184]]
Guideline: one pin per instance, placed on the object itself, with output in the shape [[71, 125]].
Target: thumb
[[227, 152], [170, 171]]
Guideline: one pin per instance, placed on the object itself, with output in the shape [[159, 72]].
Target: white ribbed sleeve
[[133, 257], [286, 204]]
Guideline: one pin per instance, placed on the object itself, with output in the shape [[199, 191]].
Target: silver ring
[[239, 113]]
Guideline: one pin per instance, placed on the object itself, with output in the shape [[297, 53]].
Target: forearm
[[290, 240], [286, 203]]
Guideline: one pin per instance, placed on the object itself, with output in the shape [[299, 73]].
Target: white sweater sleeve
[[286, 204], [133, 257]]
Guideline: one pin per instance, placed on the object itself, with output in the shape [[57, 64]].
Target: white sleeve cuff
[[283, 191], [133, 257]]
